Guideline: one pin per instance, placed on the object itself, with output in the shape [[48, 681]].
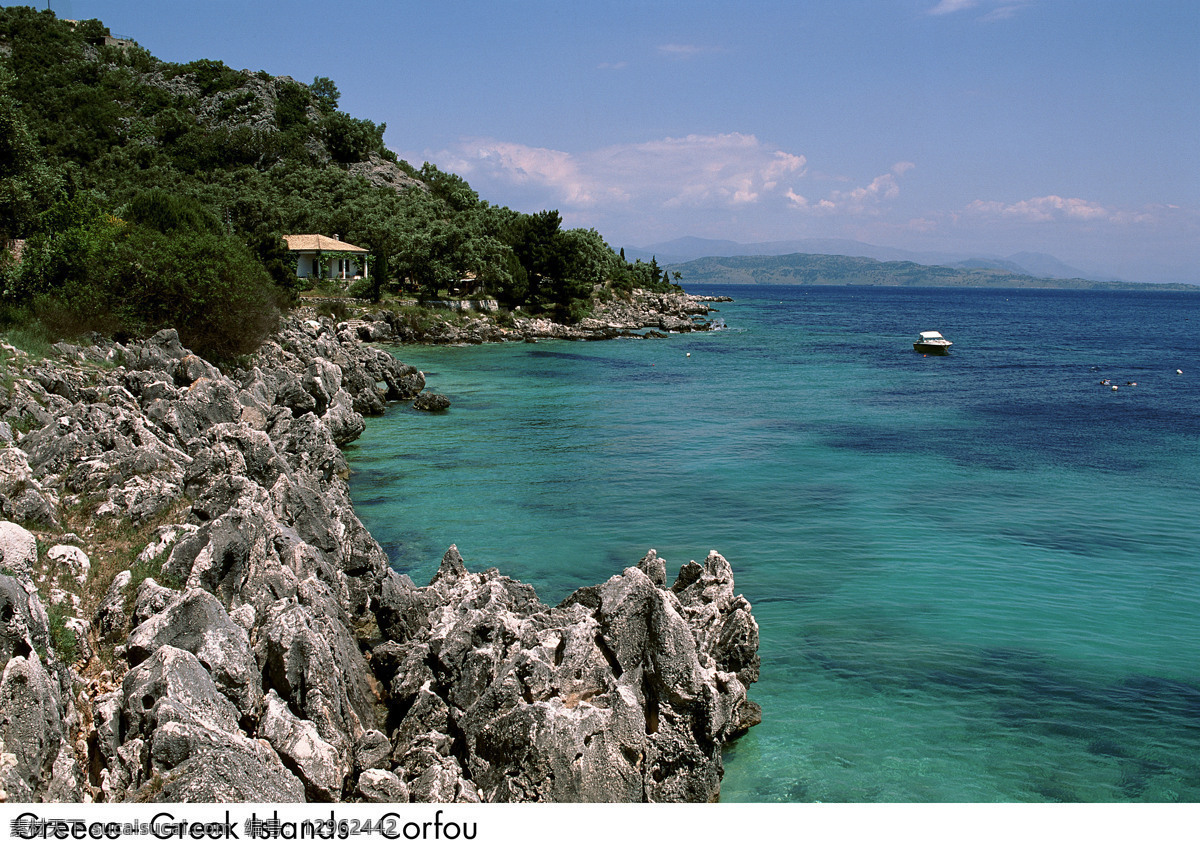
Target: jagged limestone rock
[[31, 726], [22, 499], [223, 774], [71, 560], [431, 402], [316, 762], [614, 695], [24, 626], [380, 786], [475, 690], [172, 685], [150, 599], [18, 549], [198, 623], [111, 620]]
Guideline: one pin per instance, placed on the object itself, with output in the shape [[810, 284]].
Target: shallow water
[[976, 576]]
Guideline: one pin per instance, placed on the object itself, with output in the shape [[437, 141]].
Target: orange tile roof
[[317, 242]]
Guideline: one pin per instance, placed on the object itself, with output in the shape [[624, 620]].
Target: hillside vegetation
[[152, 194], [830, 269]]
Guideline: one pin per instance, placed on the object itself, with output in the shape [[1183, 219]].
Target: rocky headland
[[192, 611], [642, 314]]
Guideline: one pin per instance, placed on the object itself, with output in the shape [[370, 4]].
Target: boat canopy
[[931, 335]]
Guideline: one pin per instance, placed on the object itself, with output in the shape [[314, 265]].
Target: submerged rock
[[431, 402]]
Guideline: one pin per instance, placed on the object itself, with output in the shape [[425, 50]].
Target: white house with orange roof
[[323, 257]]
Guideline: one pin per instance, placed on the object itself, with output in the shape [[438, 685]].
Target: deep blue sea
[[977, 577]]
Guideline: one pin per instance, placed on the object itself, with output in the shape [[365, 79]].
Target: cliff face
[[194, 612]]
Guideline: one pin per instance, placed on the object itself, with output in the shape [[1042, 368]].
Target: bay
[[977, 577]]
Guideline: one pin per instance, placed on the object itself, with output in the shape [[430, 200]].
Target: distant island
[[839, 270]]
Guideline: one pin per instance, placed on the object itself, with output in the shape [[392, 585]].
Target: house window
[[316, 272]]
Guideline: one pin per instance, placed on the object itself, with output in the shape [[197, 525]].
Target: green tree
[[351, 140], [325, 93], [589, 259], [166, 213], [291, 105], [377, 222], [535, 242], [27, 184], [449, 188], [74, 234], [171, 265]]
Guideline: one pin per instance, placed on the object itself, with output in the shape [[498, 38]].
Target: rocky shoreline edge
[[642, 314], [190, 610]]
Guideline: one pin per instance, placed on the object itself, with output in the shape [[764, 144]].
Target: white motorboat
[[932, 343]]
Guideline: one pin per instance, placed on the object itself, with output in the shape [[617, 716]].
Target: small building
[[323, 257], [100, 35]]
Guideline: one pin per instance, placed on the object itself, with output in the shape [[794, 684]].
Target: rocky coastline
[[192, 611], [642, 314]]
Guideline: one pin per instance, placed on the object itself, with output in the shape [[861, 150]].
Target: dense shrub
[[351, 140], [210, 75], [166, 213], [291, 105], [169, 265]]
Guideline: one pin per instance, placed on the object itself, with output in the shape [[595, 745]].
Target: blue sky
[[1070, 127]]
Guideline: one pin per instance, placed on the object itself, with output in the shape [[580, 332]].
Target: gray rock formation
[[198, 623], [322, 767], [24, 626], [32, 726], [21, 497], [18, 549], [625, 692], [431, 402], [259, 647], [182, 740], [36, 761], [630, 316]]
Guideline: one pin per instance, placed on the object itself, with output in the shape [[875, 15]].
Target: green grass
[[140, 571], [25, 332], [64, 642], [113, 545], [23, 424]]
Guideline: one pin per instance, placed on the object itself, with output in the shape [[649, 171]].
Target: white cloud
[[1002, 9], [866, 199], [715, 184], [1045, 209], [521, 164], [945, 7], [1056, 209], [721, 171], [921, 224]]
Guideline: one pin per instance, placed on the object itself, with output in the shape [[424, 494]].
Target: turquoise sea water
[[977, 577]]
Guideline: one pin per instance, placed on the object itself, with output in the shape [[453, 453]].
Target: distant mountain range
[[691, 248], [837, 269]]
